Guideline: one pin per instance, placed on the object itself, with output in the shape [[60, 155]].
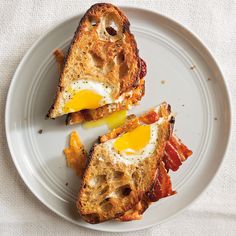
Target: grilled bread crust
[[101, 53]]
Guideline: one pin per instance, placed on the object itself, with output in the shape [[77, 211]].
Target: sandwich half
[[127, 168], [102, 69]]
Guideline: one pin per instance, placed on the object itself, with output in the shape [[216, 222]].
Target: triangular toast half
[[122, 167], [102, 63]]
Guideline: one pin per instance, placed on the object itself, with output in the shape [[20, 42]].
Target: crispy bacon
[[162, 186], [143, 70], [171, 158], [150, 117], [180, 147], [175, 153]]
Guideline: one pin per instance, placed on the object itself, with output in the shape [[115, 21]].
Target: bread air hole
[[119, 58], [93, 21], [106, 205], [108, 163], [117, 175], [111, 26], [123, 191], [135, 177], [96, 60], [111, 31], [92, 218], [109, 66], [97, 180], [123, 71], [104, 190]]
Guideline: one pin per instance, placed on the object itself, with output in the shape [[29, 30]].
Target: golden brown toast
[[112, 186], [104, 51]]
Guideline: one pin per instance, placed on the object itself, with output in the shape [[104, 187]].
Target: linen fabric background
[[22, 22]]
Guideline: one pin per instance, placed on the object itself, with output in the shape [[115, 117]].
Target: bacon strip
[[162, 186], [143, 68], [175, 153], [150, 117], [180, 147]]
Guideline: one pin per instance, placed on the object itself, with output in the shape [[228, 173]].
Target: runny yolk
[[84, 99], [134, 140], [112, 121]]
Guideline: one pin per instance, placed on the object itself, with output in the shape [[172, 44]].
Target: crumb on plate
[[163, 81], [59, 56]]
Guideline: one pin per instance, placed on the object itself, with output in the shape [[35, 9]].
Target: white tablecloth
[[22, 22]]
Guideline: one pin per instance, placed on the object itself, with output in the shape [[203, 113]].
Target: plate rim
[[60, 24]]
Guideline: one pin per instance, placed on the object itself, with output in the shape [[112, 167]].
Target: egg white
[[100, 88], [85, 84], [147, 151]]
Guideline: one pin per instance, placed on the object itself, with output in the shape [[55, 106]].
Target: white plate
[[198, 96]]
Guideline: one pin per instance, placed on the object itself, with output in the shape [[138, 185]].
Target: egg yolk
[[112, 121], [84, 99], [134, 140]]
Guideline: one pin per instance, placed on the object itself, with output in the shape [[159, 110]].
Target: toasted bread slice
[[114, 184], [102, 62]]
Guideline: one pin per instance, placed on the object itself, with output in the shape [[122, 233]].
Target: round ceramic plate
[[181, 71]]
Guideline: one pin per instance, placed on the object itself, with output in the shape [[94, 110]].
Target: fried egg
[[135, 145], [86, 94]]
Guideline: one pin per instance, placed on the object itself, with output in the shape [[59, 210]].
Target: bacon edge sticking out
[[143, 68], [162, 186], [175, 153]]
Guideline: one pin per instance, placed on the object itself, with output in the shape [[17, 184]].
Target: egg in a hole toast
[[128, 169], [102, 70]]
